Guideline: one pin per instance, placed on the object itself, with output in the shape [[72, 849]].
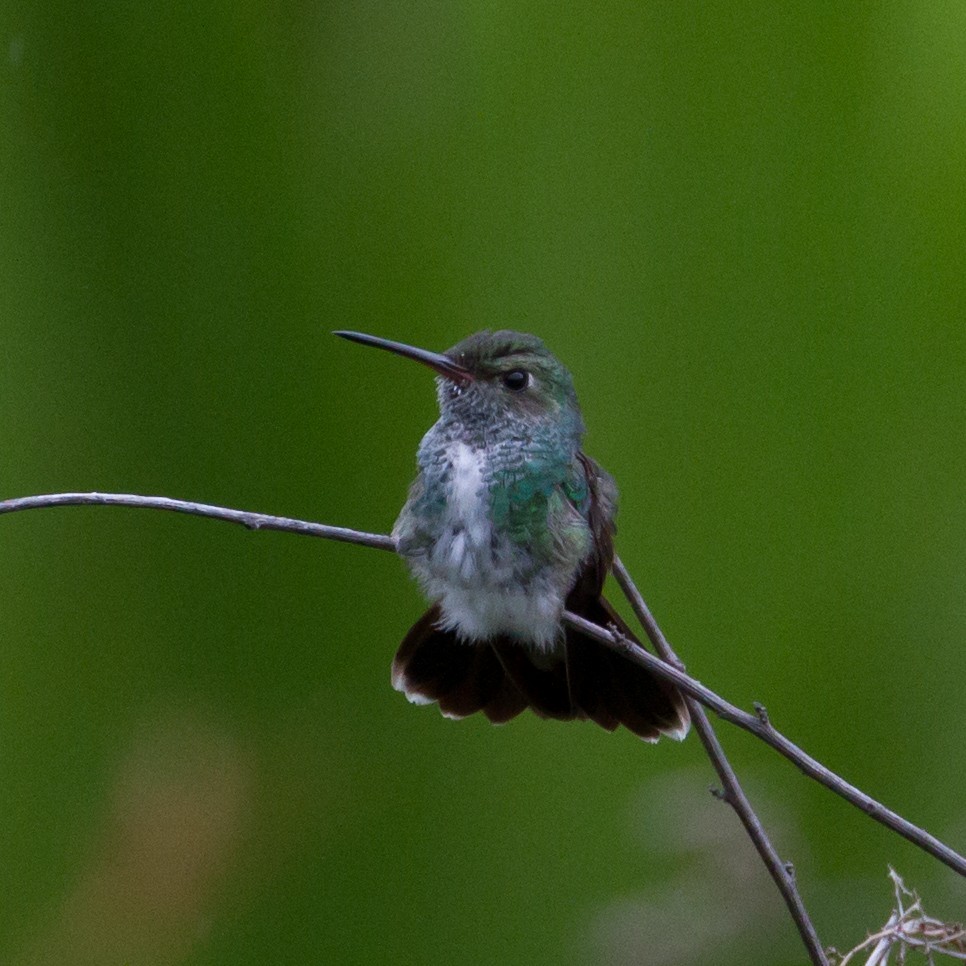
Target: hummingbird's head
[[511, 375], [496, 379]]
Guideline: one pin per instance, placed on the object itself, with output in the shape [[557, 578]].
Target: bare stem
[[253, 521], [782, 872]]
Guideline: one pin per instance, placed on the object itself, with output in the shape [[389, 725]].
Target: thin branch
[[782, 872], [758, 724], [253, 521]]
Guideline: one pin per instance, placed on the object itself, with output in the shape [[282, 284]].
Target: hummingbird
[[508, 523]]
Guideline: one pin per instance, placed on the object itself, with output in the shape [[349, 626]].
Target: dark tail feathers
[[580, 680]]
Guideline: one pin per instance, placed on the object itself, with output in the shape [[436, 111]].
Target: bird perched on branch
[[507, 524]]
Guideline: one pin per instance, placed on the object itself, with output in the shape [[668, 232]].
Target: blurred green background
[[742, 226]]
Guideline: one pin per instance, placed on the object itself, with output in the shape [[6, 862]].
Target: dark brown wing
[[599, 512], [606, 686]]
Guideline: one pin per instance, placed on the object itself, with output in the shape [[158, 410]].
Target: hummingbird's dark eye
[[516, 379]]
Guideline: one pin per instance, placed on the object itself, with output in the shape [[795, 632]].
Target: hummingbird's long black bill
[[435, 360]]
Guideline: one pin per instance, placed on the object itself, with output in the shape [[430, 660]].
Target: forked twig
[[667, 666], [759, 724]]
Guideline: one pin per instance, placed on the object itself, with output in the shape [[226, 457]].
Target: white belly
[[476, 578]]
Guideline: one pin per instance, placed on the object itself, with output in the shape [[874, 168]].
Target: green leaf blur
[[741, 226]]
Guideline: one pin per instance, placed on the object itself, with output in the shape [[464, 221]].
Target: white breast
[[474, 577]]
